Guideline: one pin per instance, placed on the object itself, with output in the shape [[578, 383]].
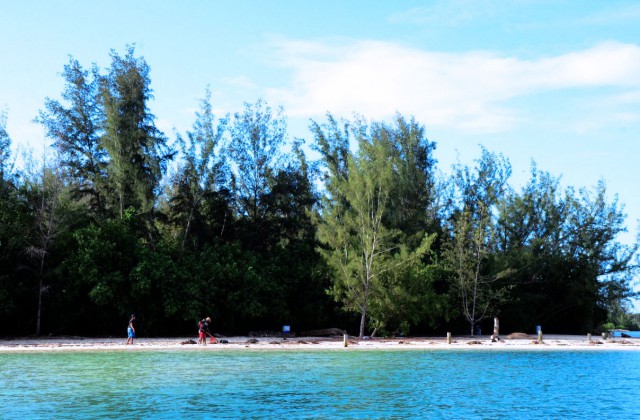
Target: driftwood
[[327, 332], [518, 335]]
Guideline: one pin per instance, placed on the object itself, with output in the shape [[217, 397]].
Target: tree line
[[234, 220]]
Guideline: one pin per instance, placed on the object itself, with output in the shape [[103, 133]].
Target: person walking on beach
[[131, 330], [203, 329]]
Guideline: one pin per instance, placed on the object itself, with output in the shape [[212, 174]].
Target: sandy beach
[[550, 342]]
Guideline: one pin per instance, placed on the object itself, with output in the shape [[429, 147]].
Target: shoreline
[[553, 342]]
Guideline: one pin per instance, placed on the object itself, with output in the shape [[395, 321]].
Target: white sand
[[550, 342]]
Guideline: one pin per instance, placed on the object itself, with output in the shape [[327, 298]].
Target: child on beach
[[131, 331]]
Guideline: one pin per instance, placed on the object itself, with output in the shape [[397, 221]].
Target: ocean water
[[321, 384]]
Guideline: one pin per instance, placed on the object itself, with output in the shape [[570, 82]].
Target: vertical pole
[[496, 330], [589, 337], [448, 338], [346, 340], [540, 336]]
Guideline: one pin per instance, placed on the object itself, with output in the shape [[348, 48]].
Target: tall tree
[[469, 253], [52, 209], [14, 218], [358, 244], [138, 152], [257, 136], [413, 205], [203, 174], [571, 268], [76, 130]]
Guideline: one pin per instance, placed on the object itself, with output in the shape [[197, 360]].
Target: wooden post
[[540, 336], [346, 340], [496, 330], [448, 338], [589, 337]]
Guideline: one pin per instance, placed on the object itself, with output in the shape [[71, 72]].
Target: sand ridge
[[550, 342]]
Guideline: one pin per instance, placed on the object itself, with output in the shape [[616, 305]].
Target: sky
[[555, 82]]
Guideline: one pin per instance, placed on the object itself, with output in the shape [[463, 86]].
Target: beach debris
[[223, 341], [269, 333], [620, 342], [326, 332], [188, 342], [252, 341], [275, 342], [302, 342], [518, 335], [594, 343], [474, 342]]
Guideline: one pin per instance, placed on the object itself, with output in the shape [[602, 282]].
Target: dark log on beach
[[327, 332], [518, 335]]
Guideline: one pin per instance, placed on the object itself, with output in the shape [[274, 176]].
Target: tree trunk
[[39, 315], [363, 318]]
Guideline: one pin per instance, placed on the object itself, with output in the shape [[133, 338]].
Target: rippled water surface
[[321, 384]]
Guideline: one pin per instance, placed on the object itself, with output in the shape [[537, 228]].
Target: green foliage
[[197, 197], [360, 241], [368, 237], [257, 135], [137, 150], [76, 131]]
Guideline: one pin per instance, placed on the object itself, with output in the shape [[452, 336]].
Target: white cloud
[[468, 91]]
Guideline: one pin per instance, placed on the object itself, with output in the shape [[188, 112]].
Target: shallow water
[[321, 384]]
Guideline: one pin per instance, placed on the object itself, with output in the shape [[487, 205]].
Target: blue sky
[[557, 81]]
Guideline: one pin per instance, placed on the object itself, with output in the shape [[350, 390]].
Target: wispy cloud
[[613, 15], [450, 13], [471, 90]]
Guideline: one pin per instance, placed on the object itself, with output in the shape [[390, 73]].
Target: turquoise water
[[321, 384]]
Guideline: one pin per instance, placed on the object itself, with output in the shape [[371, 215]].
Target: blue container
[[286, 328], [538, 328]]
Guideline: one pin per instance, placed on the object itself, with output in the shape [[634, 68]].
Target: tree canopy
[[234, 220]]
